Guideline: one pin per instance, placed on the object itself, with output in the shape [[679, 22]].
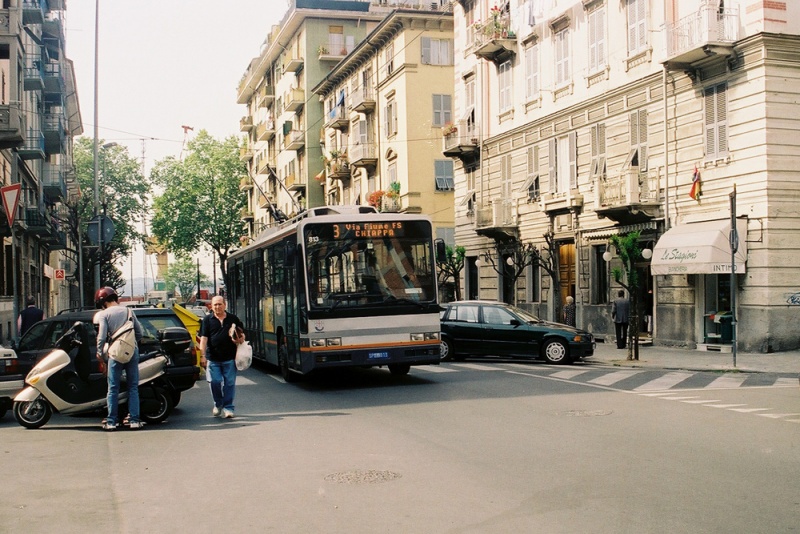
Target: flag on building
[[695, 192]]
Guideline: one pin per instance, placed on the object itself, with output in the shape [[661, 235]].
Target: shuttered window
[[563, 72], [504, 79], [716, 121], [443, 172], [532, 72], [637, 25], [598, 169], [436, 51], [442, 110], [637, 157], [597, 39]]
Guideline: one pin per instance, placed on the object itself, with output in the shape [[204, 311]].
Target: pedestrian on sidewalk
[[569, 311], [29, 316], [620, 312], [218, 355]]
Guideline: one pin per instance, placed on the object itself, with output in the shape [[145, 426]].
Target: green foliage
[[450, 267], [201, 204], [629, 253], [182, 273], [123, 195]]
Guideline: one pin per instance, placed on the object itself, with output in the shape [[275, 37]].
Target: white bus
[[339, 286]]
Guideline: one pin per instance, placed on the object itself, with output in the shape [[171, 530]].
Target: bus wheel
[[399, 368], [283, 363]]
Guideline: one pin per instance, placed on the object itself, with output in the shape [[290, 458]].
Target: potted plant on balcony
[[394, 191], [322, 50], [449, 129], [496, 27], [374, 198]]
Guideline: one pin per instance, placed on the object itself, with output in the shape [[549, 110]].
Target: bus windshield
[[372, 264]]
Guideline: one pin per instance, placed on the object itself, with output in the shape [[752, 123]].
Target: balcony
[[265, 130], [266, 96], [629, 197], [493, 40], [561, 201], [245, 154], [33, 11], [53, 29], [703, 34], [33, 147], [54, 132], [265, 166], [294, 140], [391, 204], [292, 62], [10, 127], [362, 100], [295, 99], [55, 239], [33, 75], [461, 141], [53, 181], [264, 202], [246, 123], [496, 219], [337, 119], [53, 79], [332, 52], [339, 169], [9, 22], [364, 155], [246, 214], [293, 183], [245, 184]]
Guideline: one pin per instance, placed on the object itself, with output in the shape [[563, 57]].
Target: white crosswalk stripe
[[478, 367], [727, 382], [665, 382], [568, 374], [786, 382], [613, 378], [435, 369]]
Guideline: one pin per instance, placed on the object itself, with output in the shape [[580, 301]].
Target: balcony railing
[[246, 214], [362, 100], [33, 75], [265, 130], [11, 131], [33, 11], [333, 51], [53, 181], [266, 96], [294, 140], [245, 184], [53, 78], [246, 123], [294, 100], [364, 155], [493, 40], [245, 154], [292, 61], [33, 147], [460, 138], [629, 187], [496, 214], [337, 118], [54, 128], [706, 32]]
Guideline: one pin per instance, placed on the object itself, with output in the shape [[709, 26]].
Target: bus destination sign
[[368, 230]]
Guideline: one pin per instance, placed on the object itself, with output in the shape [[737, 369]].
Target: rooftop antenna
[[186, 130]]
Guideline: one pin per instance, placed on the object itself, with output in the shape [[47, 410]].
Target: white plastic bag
[[244, 356]]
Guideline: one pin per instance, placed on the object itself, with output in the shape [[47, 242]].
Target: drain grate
[[586, 413], [362, 477]]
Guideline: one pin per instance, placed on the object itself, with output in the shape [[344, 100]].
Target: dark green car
[[488, 328]]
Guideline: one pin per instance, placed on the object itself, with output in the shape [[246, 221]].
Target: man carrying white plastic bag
[[221, 333]]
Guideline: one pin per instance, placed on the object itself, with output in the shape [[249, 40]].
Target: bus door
[[290, 283]]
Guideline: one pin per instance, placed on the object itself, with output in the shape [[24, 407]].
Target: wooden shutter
[[573, 160], [552, 160]]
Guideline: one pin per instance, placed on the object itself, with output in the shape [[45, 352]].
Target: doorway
[[566, 272]]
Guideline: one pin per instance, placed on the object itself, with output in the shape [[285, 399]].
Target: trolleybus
[[339, 286]]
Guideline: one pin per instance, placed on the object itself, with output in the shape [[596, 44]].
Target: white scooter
[[54, 384]]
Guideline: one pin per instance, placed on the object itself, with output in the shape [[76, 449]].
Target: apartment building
[[39, 115], [284, 118], [585, 119], [386, 106]]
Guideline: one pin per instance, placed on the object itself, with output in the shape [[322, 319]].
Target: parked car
[[182, 373], [11, 379], [488, 328]]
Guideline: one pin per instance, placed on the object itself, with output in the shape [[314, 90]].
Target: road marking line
[[659, 394], [242, 381], [786, 382], [568, 374], [726, 405], [613, 378], [434, 369], [477, 367], [682, 399], [727, 382], [750, 410], [777, 415], [665, 382], [700, 401]]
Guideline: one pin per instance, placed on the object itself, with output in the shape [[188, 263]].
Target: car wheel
[[399, 368], [283, 363], [33, 414], [160, 409], [446, 350], [556, 351]]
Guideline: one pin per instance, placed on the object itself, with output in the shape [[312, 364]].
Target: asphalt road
[[471, 447]]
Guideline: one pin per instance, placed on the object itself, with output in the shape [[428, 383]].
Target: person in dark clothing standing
[[569, 311], [218, 355], [29, 316], [620, 312]]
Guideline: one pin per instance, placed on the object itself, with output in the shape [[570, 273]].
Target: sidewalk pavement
[[697, 360]]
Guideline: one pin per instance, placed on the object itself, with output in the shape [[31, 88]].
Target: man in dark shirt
[[620, 312], [218, 355], [29, 316]]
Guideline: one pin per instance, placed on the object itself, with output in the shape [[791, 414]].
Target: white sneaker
[[227, 414], [215, 411]]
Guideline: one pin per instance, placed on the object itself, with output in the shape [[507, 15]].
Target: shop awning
[[700, 248]]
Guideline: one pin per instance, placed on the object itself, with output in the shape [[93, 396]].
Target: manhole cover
[[586, 413], [362, 477]]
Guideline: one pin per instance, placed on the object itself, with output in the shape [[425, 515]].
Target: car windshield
[[350, 269], [523, 315]]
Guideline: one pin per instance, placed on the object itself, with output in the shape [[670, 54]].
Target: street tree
[[183, 274], [629, 252], [522, 255], [201, 202], [123, 194], [450, 267]]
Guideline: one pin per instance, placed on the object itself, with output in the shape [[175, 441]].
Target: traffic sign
[[61, 274], [11, 201]]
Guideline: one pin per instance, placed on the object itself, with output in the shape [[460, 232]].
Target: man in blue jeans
[[218, 355], [108, 321]]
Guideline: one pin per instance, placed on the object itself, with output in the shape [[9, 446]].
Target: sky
[[164, 64]]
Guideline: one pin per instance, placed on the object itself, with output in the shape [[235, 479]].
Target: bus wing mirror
[[441, 250]]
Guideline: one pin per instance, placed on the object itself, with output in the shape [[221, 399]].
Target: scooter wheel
[[33, 414], [157, 410]]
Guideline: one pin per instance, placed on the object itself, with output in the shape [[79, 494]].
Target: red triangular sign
[[10, 201]]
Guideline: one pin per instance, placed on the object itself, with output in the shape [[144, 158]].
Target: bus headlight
[[425, 336], [318, 342], [334, 341], [327, 342]]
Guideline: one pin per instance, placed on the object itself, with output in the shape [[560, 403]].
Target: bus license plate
[[378, 355]]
